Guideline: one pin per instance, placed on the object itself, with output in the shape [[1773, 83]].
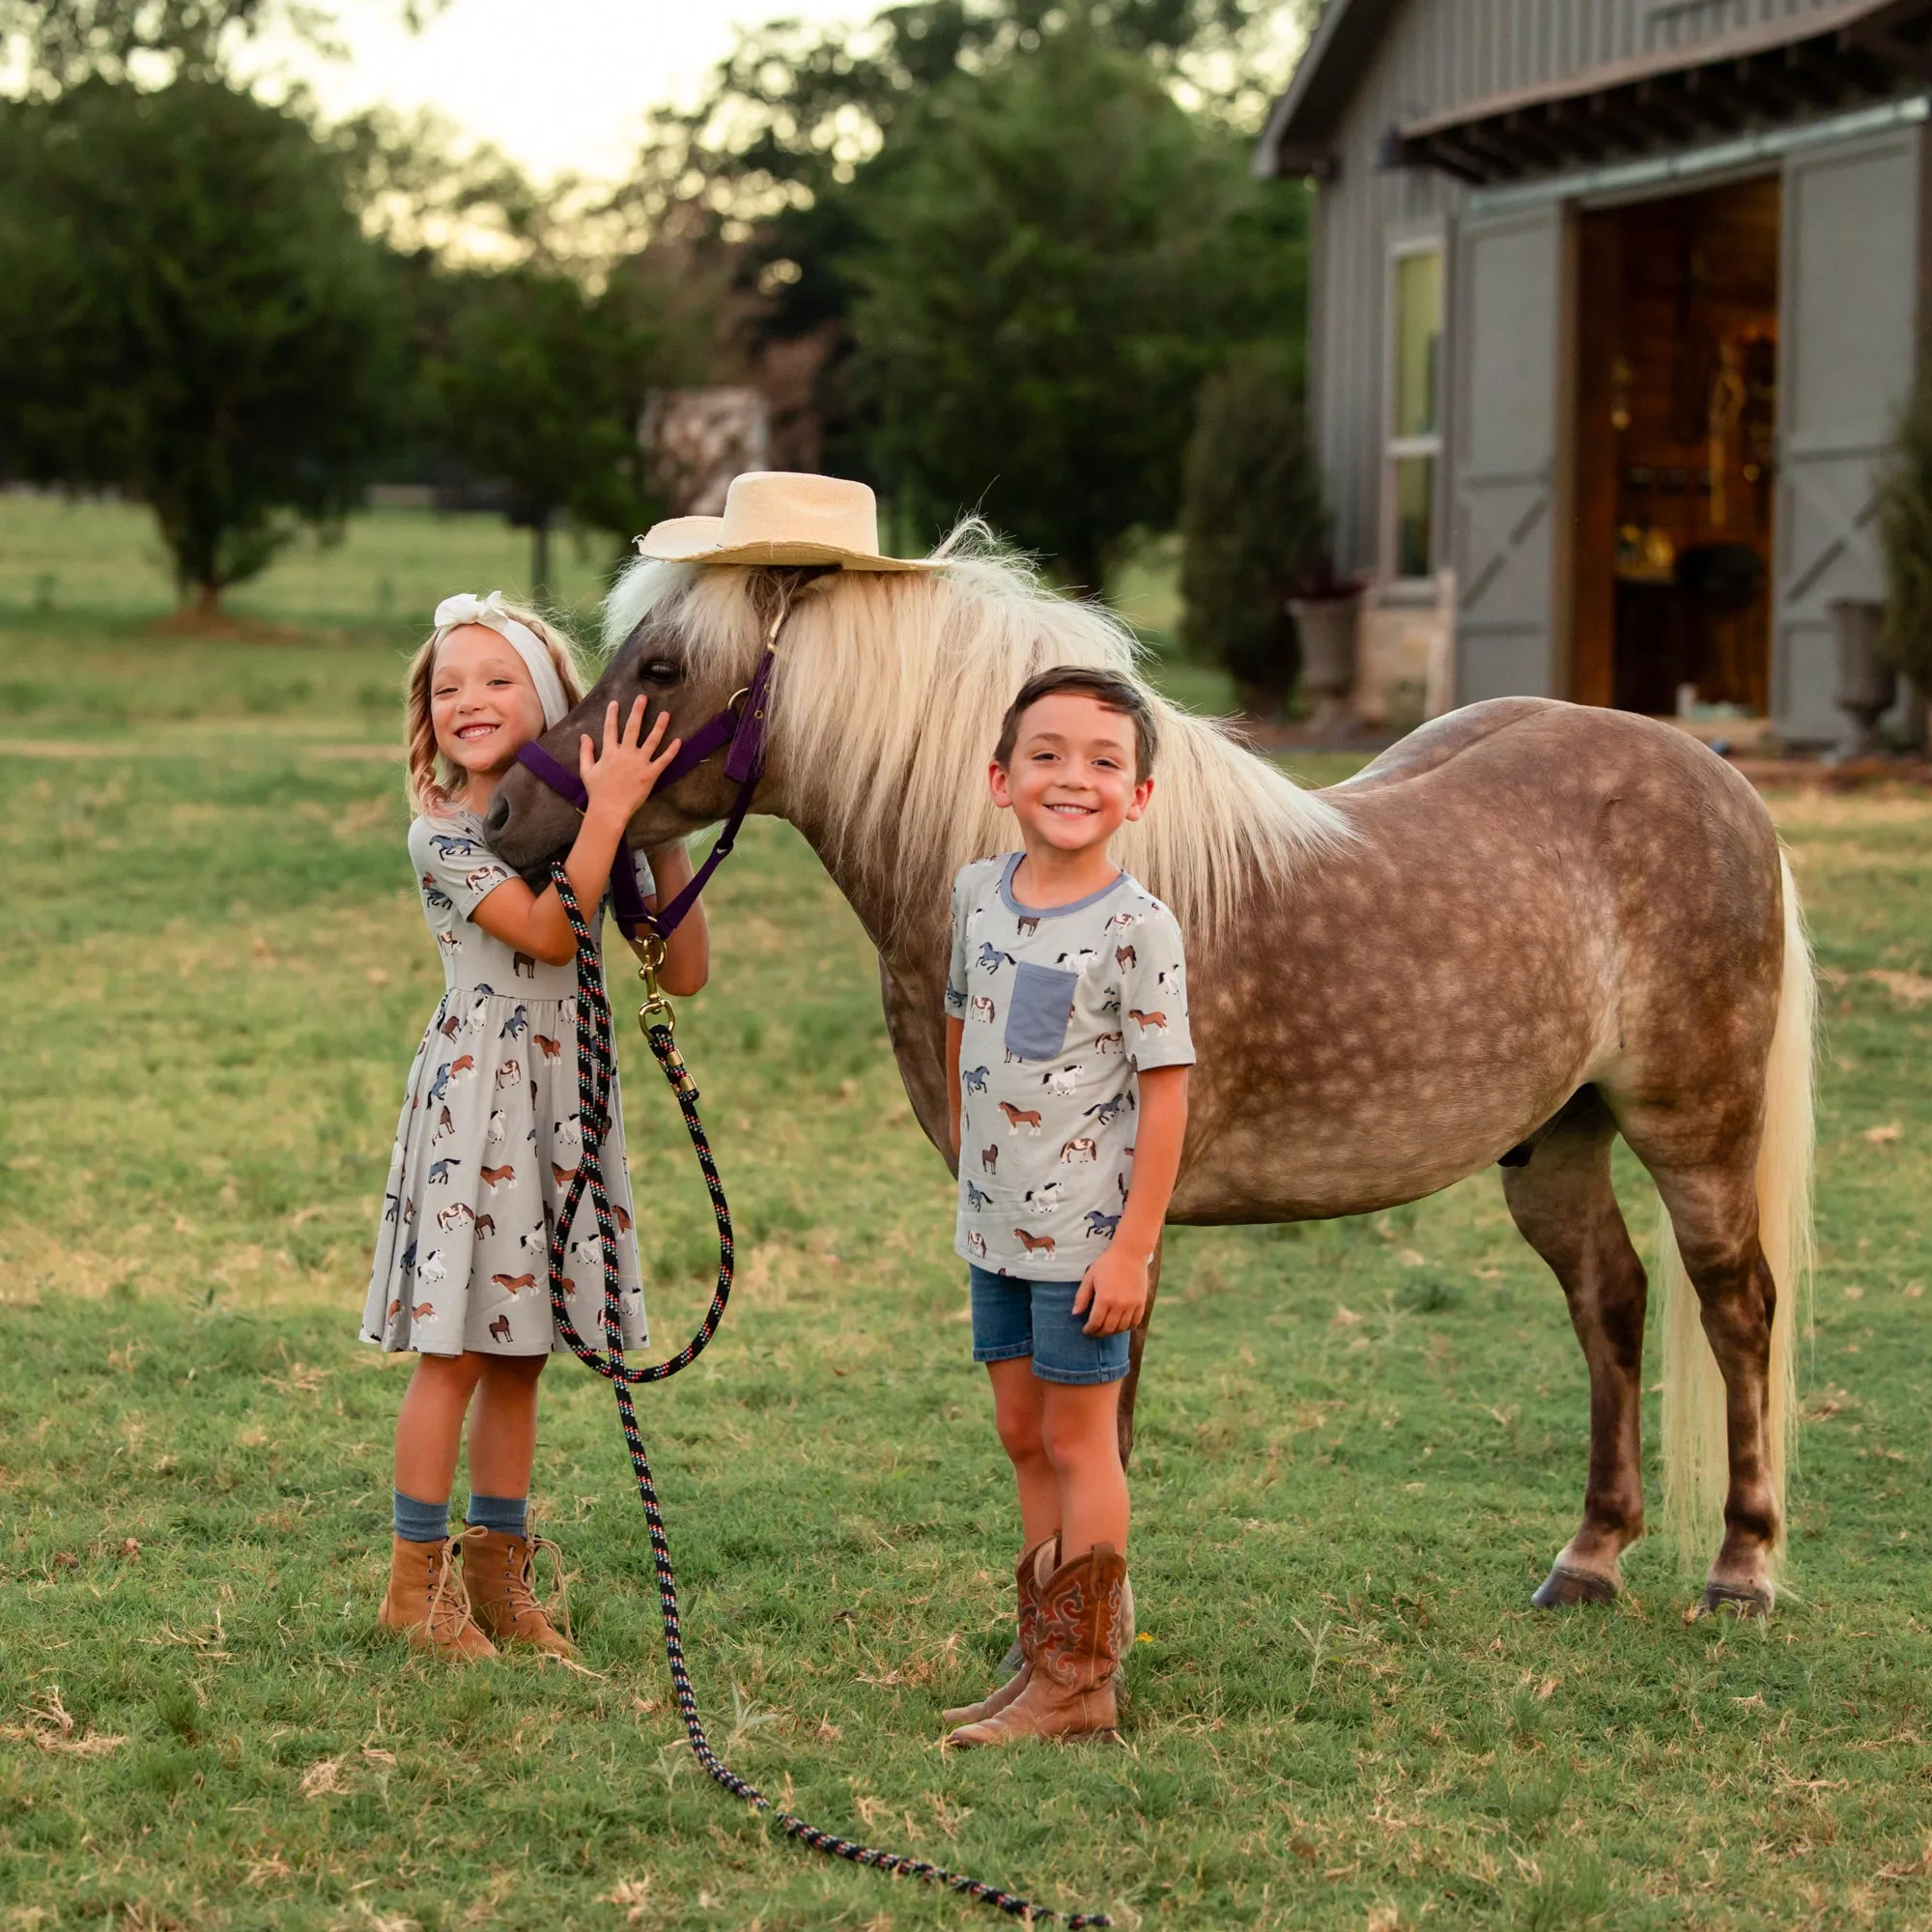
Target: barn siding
[[1436, 55]]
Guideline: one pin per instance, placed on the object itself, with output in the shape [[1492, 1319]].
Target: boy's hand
[[620, 780], [1114, 1292]]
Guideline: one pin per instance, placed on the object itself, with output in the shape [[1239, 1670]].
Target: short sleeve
[[1153, 993], [647, 884], [955, 972], [450, 859]]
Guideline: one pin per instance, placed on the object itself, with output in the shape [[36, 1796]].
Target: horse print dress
[[488, 1139]]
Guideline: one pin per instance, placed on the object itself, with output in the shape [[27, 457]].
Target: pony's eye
[[659, 671]]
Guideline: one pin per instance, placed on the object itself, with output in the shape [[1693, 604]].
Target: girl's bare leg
[[1018, 1408], [429, 1430], [504, 1430], [1080, 1432]]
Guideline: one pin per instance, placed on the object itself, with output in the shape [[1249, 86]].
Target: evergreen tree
[[1034, 313], [543, 385], [1253, 524], [816, 151], [189, 313], [1905, 538]]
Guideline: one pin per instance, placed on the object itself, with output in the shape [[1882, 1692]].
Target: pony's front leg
[[1136, 1349]]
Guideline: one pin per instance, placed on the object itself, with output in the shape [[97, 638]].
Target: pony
[[1523, 930]]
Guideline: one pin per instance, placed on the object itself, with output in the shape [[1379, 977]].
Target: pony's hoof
[[1010, 1662], [1566, 1589], [1717, 1598]]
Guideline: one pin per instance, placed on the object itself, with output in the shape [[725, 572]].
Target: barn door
[[1850, 320], [1506, 344]]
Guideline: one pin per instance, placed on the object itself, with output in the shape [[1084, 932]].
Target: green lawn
[[389, 566], [1361, 1441]]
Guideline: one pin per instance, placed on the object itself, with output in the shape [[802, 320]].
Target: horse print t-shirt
[[1062, 1006]]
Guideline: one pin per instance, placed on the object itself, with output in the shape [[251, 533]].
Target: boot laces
[[448, 1614], [523, 1593], [520, 1582]]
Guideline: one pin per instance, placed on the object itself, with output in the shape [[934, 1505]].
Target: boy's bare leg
[[1018, 1408], [1085, 1617], [1080, 1426]]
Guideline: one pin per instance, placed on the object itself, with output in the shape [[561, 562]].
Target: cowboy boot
[[1034, 1565], [424, 1601], [500, 1574], [1076, 1648]]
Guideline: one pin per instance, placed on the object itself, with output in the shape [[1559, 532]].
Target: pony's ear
[[787, 586]]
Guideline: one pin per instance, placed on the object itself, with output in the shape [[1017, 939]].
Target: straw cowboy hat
[[781, 516]]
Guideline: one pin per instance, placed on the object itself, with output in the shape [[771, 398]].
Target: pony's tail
[[1696, 1459]]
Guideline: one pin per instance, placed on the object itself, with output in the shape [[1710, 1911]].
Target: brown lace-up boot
[[1077, 1647], [425, 1601], [500, 1574], [1034, 1565]]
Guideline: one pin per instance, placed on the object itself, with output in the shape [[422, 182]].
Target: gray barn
[[1615, 303]]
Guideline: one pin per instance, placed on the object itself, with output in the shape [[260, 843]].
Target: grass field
[[1361, 1441], [389, 566]]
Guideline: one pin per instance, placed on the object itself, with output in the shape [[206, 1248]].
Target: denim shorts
[[1013, 1318]]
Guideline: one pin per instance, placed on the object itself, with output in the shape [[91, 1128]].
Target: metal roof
[[1836, 58], [1296, 139]]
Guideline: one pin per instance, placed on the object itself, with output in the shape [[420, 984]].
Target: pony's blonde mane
[[887, 701]]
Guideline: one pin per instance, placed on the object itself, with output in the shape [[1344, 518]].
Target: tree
[[1035, 309], [60, 44], [189, 313], [543, 384], [1253, 524], [804, 126], [1905, 537]]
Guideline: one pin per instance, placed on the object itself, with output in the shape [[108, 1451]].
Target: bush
[[1905, 537], [1252, 524]]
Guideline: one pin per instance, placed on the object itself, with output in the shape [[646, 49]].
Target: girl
[[489, 1134]]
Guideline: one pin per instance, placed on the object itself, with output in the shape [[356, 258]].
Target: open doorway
[[1677, 391]]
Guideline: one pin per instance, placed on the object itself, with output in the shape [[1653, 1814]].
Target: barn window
[[1411, 474]]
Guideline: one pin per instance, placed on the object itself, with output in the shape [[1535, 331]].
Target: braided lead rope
[[595, 1073]]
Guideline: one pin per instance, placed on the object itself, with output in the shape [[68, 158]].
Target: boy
[[1066, 1052]]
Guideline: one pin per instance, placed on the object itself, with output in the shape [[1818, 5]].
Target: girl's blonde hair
[[431, 778]]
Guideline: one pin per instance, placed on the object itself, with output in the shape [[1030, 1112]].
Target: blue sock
[[420, 1523], [506, 1515]]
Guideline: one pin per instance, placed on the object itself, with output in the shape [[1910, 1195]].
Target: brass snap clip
[[656, 1011]]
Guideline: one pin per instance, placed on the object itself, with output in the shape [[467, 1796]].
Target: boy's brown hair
[[1108, 688]]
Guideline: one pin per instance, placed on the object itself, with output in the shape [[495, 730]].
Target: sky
[[559, 85]]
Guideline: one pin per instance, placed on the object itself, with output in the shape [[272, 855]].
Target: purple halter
[[739, 725]]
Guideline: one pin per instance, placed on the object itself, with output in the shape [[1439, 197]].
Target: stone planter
[[1867, 686], [1327, 627]]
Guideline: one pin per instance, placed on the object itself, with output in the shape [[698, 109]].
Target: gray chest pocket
[[1038, 1013]]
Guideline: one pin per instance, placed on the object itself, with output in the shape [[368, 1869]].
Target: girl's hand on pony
[[618, 782], [1113, 1292], [622, 777]]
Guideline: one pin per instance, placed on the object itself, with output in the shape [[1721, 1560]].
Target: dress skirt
[[488, 1138]]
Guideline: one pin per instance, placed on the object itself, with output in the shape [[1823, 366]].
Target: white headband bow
[[465, 608]]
